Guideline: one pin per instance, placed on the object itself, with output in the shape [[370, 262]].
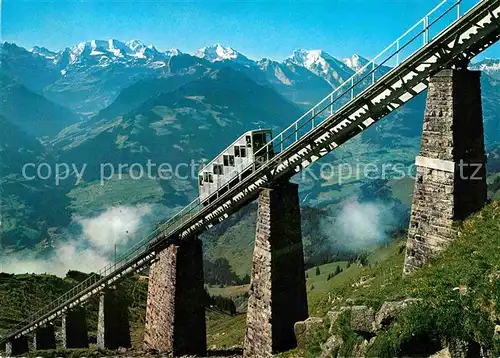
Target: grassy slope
[[224, 332], [89, 198], [472, 262], [494, 186], [235, 244], [20, 294]]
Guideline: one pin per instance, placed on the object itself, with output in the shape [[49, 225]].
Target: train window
[[231, 160], [236, 151], [249, 141], [205, 177], [243, 152], [258, 141], [218, 169], [268, 137], [200, 178], [210, 178], [226, 160]]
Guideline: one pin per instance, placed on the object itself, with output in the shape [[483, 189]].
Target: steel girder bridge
[[448, 36]]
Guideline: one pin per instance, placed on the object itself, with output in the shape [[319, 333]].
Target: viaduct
[[432, 55]]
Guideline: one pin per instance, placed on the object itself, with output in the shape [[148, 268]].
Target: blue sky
[[256, 28]]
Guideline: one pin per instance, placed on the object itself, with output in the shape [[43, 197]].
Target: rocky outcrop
[[389, 310], [331, 346], [305, 330], [444, 353], [362, 347], [332, 318], [363, 320], [363, 324], [465, 349]]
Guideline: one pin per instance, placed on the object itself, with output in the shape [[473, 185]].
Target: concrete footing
[[278, 296], [451, 171], [45, 338], [113, 329], [175, 313], [74, 329], [17, 346]]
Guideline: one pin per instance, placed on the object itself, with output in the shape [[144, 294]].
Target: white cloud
[[90, 251], [116, 225], [65, 257], [360, 225]]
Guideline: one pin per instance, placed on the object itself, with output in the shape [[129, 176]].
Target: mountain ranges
[[123, 103]]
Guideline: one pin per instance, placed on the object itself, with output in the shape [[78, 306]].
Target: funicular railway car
[[233, 164]]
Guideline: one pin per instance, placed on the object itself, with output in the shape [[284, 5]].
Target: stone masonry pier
[[45, 338], [113, 329], [278, 288], [18, 346], [451, 174], [175, 312], [74, 329]]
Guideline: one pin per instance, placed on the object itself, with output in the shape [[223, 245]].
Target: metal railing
[[327, 107], [366, 75]]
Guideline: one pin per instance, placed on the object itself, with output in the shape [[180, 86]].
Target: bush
[[221, 273], [422, 329], [337, 270], [224, 304], [314, 344], [342, 328], [243, 281], [317, 271]]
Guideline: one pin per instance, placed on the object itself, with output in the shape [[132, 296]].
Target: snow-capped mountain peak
[[135, 45], [490, 66], [139, 50], [355, 62], [173, 52], [322, 64], [115, 50], [218, 52], [91, 48], [308, 58], [44, 52]]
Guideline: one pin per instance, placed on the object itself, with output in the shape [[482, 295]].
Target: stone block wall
[[175, 312], [451, 172], [278, 296]]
